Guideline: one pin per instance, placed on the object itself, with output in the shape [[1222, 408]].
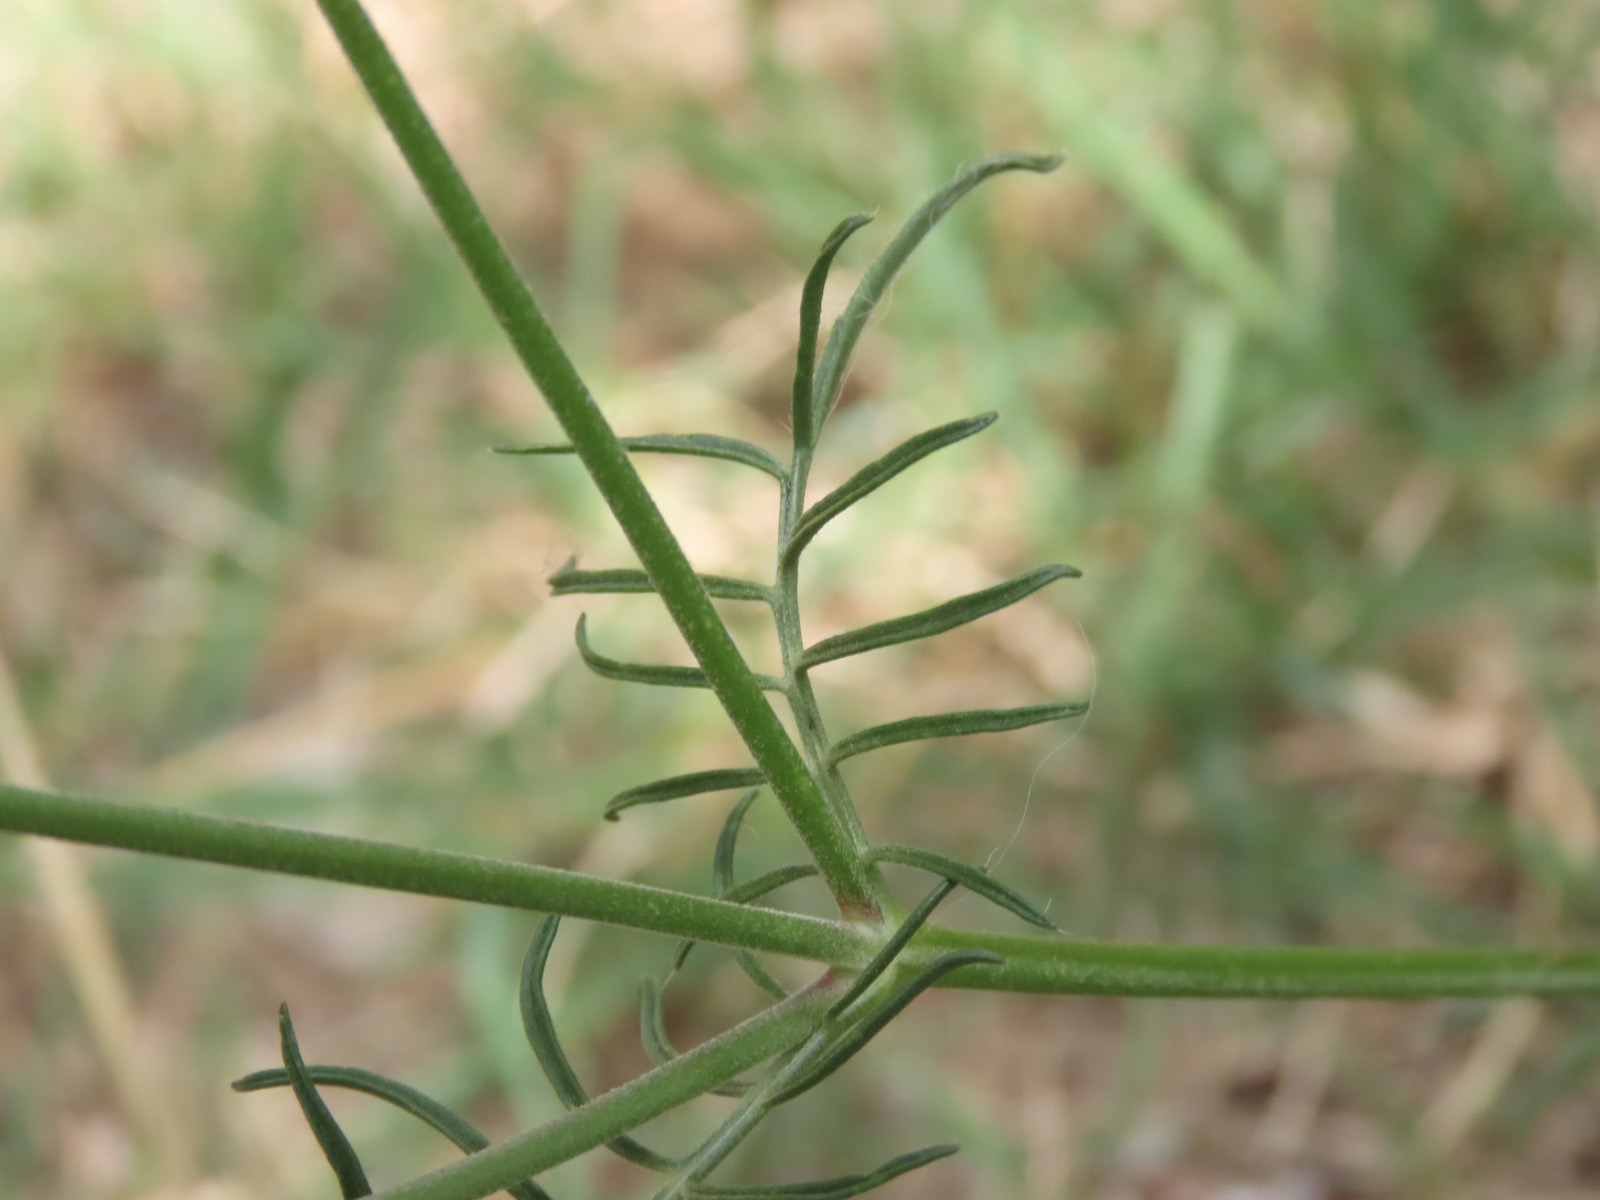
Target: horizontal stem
[[447, 874], [1033, 964], [1064, 965]]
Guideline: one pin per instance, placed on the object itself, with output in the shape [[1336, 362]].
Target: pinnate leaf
[[879, 472], [839, 1188], [935, 620], [426, 1109], [956, 724], [651, 673], [847, 330], [974, 879], [540, 1028], [694, 784], [811, 321], [871, 1025], [891, 948], [570, 581], [336, 1148], [700, 445], [754, 889]]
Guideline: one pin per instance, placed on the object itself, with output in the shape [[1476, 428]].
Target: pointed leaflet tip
[[336, 1148], [811, 321], [974, 879], [847, 330], [467, 1137], [695, 784]]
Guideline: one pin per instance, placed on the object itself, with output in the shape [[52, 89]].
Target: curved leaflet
[[936, 620], [426, 1109], [678, 786], [699, 445], [875, 474], [847, 330], [811, 321], [956, 724], [336, 1148], [872, 1024], [722, 884], [540, 1027], [570, 581], [650, 673], [974, 879]]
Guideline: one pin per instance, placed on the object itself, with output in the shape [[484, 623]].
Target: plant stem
[[179, 834], [607, 462], [621, 1109], [791, 644], [1033, 964], [1063, 965]]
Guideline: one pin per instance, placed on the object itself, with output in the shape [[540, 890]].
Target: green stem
[[663, 559], [791, 645], [1065, 966], [179, 834], [1033, 964], [624, 1108]]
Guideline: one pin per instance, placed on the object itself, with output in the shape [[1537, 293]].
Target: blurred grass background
[[1297, 359]]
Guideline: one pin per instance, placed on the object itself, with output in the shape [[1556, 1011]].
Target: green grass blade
[[425, 1108], [974, 879], [570, 581], [336, 1148], [540, 1027], [1192, 224], [847, 330], [651, 673], [839, 1188], [955, 724], [936, 620], [698, 783], [810, 322], [851, 1044], [697, 445], [891, 948], [875, 474]]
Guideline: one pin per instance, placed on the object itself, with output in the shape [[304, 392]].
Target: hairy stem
[[607, 462], [227, 841], [1033, 964]]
